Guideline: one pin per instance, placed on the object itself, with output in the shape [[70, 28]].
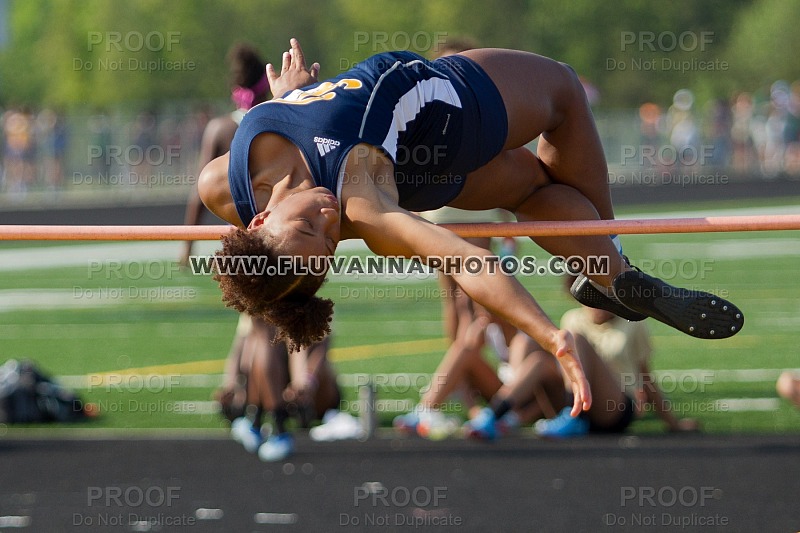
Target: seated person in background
[[615, 354], [625, 348], [534, 389], [463, 370], [613, 413], [261, 376]]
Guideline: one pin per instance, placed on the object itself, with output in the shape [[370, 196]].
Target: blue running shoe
[[483, 426], [562, 426], [276, 448], [243, 432]]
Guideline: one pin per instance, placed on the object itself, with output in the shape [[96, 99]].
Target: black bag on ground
[[29, 396]]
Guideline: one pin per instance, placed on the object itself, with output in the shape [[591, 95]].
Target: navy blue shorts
[[475, 135]]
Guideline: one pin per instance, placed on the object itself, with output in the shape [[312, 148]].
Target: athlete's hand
[[566, 353], [294, 73]]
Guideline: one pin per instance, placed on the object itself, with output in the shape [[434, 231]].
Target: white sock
[[617, 243]]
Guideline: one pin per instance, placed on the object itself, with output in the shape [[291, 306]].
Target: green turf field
[[83, 318]]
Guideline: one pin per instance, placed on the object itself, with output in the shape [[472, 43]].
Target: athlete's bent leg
[[545, 98]]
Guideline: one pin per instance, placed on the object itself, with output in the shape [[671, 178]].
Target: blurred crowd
[[754, 134], [47, 150]]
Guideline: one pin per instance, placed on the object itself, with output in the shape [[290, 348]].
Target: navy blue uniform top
[[425, 116]]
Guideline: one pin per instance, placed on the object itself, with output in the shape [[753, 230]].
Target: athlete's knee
[[572, 88]]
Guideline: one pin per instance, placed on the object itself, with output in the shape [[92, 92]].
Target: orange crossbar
[[481, 229]]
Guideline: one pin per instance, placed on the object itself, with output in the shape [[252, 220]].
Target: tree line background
[[64, 52]]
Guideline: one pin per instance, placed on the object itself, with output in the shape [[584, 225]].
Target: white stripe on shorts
[[410, 105]]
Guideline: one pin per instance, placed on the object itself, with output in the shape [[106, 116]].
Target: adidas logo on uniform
[[325, 146]]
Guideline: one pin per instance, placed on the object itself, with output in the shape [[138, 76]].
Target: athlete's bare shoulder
[[212, 184]]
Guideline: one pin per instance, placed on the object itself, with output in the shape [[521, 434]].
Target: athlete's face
[[305, 224]]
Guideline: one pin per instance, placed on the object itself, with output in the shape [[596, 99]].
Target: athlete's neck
[[277, 169]]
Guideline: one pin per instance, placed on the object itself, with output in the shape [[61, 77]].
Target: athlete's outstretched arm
[[392, 231]]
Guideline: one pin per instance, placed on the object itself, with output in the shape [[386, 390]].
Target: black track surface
[[659, 483]]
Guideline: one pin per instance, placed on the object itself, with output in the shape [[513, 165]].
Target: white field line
[[202, 407], [92, 255], [396, 381], [403, 383], [82, 298], [747, 404], [113, 330], [84, 255], [726, 249]]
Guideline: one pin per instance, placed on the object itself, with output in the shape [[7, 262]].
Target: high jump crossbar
[[478, 229]]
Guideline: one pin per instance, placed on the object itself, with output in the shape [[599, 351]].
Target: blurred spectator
[[19, 151], [650, 125], [775, 128], [743, 155], [756, 136], [261, 378], [144, 137], [100, 139], [169, 153], [717, 126], [52, 139], [682, 126], [191, 134], [792, 132]]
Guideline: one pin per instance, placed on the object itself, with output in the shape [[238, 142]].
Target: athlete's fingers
[[566, 353], [582, 397], [587, 395], [298, 59], [286, 61], [577, 404], [314, 71], [272, 76], [577, 395]]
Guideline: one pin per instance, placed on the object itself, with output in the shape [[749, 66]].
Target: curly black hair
[[285, 300]]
